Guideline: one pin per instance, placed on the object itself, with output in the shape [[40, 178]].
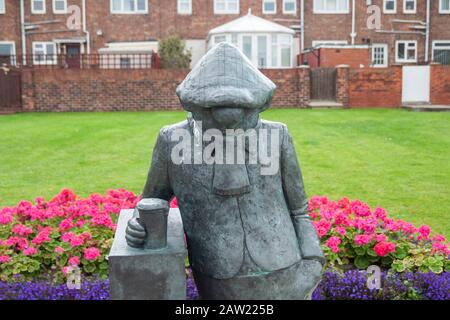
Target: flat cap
[[225, 77]]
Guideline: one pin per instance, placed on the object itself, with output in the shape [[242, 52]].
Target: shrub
[[353, 234], [173, 53], [52, 237]]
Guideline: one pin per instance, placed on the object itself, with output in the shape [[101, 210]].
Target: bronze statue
[[247, 231]]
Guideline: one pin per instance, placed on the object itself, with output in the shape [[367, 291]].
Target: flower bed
[[52, 237]]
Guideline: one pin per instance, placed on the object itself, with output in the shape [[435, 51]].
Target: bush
[[352, 234], [52, 237], [173, 53]]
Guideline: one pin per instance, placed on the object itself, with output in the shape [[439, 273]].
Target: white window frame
[[386, 55], [406, 11], [179, 10], [43, 11], [3, 10], [226, 10], [386, 11], [325, 11], [64, 11], [406, 42], [294, 12], [264, 11], [441, 6], [145, 11], [434, 46], [13, 53], [45, 62]]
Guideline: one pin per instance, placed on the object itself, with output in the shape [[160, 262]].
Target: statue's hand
[[135, 233]]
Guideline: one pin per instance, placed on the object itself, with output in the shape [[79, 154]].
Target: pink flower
[[80, 223], [102, 220], [174, 203], [341, 231], [66, 224], [42, 237], [29, 251], [380, 237], [76, 241], [380, 213], [67, 237], [362, 239], [66, 270], [322, 226], [59, 250], [91, 253], [333, 244], [5, 259], [6, 216], [384, 248], [74, 261], [440, 247], [424, 232], [22, 230], [438, 238]]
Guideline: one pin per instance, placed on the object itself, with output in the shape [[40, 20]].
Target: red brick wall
[[370, 87], [331, 57], [342, 85], [440, 84], [151, 89]]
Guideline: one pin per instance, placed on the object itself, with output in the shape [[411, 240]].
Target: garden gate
[[323, 84], [10, 90], [416, 84]]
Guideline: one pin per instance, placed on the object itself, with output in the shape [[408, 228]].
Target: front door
[[73, 58]]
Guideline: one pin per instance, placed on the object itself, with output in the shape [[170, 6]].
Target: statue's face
[[227, 117]]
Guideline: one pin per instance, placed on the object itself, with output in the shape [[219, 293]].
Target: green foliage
[[173, 53]]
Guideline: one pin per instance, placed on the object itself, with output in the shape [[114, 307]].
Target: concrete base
[[324, 104], [145, 274], [426, 107]]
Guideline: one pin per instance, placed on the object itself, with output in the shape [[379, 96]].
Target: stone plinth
[[146, 274]]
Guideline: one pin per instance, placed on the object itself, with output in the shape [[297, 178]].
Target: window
[[125, 63], [269, 6], [226, 6], [247, 46], [7, 52], [37, 6], [60, 6], [44, 53], [285, 50], [380, 55], [184, 6], [444, 6], [2, 6], [406, 51], [129, 6], [409, 6], [390, 6], [331, 6], [289, 6], [441, 52], [262, 51]]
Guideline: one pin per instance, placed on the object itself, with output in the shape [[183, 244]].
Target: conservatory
[[265, 43]]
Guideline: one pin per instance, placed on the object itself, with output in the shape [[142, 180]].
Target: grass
[[396, 159]]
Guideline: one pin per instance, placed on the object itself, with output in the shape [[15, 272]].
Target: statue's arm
[[297, 201], [158, 181]]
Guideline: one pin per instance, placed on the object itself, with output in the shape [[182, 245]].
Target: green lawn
[[396, 159]]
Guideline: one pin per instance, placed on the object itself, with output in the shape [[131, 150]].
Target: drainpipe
[[353, 34], [427, 33], [302, 26], [85, 30], [22, 31]]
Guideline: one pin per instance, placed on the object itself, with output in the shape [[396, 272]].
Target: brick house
[[334, 31]]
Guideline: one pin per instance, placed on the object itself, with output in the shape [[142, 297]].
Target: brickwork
[[375, 87], [149, 89], [440, 84]]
